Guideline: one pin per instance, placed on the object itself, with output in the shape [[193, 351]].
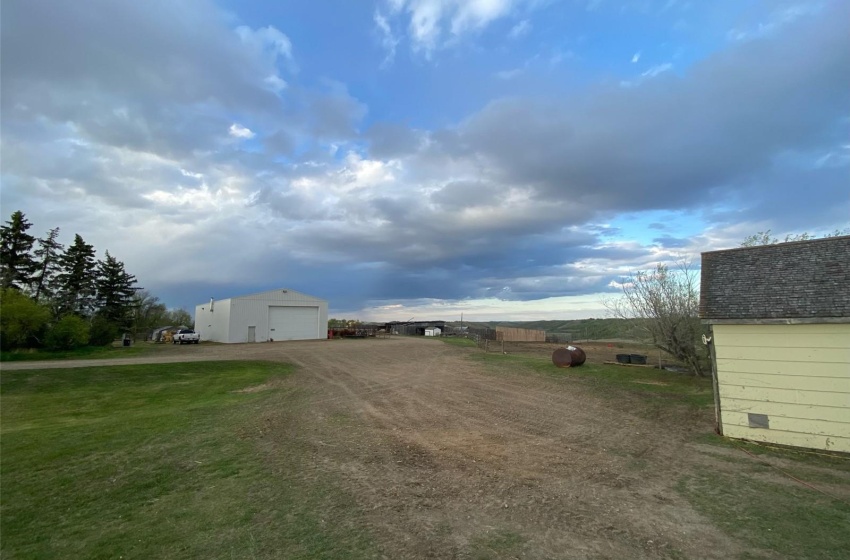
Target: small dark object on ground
[[624, 358], [637, 358]]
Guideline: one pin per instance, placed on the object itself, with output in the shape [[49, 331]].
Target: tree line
[[61, 298]]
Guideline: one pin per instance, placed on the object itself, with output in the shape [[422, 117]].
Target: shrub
[[102, 332], [68, 333], [22, 320]]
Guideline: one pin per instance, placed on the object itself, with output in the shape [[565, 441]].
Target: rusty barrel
[[571, 356]]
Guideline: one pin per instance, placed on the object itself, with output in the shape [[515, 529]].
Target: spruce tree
[[47, 265], [16, 263], [115, 291], [77, 279]]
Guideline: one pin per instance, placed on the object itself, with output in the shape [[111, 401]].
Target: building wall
[[513, 334], [797, 375], [255, 311], [231, 317], [213, 325]]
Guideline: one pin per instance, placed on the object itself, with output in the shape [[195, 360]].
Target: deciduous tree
[[666, 303], [22, 321]]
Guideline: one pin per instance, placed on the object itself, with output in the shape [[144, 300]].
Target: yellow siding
[[797, 375], [781, 368], [789, 396]]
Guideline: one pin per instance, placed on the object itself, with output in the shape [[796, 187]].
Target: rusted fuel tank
[[571, 356]]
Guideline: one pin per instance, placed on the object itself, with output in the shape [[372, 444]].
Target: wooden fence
[[512, 334]]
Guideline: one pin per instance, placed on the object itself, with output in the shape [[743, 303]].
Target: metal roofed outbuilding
[[274, 315]]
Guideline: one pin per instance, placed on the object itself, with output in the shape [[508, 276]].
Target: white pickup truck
[[186, 336]]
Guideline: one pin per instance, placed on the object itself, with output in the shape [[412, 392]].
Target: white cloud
[[509, 74], [656, 70], [268, 39], [776, 21], [276, 83], [520, 29], [388, 39], [635, 57], [435, 23], [239, 131]]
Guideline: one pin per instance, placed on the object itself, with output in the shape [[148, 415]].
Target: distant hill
[[580, 329]]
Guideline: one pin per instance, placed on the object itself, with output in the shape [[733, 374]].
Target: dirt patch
[[446, 459]]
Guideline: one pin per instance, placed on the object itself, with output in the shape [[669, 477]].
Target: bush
[[102, 331], [22, 320], [68, 333]]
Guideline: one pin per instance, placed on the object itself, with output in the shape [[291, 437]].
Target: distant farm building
[[780, 325], [268, 316], [414, 328]]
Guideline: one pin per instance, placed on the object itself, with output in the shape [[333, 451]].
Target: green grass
[[457, 341], [781, 517], [496, 544], [165, 461], [658, 385], [84, 353]]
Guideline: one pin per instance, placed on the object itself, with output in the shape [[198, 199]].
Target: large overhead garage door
[[293, 323]]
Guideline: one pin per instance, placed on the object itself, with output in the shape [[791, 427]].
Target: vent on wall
[[758, 420]]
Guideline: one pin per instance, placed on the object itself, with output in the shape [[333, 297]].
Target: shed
[[779, 317], [267, 316]]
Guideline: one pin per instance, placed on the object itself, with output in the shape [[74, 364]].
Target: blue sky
[[504, 159]]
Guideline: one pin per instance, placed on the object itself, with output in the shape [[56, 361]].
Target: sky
[[501, 159]]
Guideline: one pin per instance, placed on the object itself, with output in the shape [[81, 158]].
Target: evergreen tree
[[115, 291], [77, 279], [16, 263], [47, 265]]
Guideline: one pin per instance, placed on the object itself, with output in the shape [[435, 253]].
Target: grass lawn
[[156, 461], [84, 353]]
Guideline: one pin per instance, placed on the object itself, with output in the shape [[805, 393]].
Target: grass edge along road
[[154, 461]]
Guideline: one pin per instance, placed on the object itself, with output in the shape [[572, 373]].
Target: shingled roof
[[797, 280]]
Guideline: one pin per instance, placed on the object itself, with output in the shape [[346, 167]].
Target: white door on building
[[293, 323], [252, 334]]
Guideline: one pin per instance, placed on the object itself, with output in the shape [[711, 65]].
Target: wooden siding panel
[[728, 365], [787, 410], [736, 330], [830, 443], [822, 355], [798, 382], [798, 425], [790, 396], [775, 340]]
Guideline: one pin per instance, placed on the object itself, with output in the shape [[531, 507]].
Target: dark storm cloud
[[120, 100], [179, 51], [669, 141]]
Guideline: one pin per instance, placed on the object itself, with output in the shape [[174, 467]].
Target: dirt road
[[447, 457]]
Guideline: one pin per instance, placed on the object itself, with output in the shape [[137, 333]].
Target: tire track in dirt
[[446, 452], [445, 455]]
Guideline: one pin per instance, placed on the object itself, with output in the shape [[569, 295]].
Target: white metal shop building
[[265, 317]]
